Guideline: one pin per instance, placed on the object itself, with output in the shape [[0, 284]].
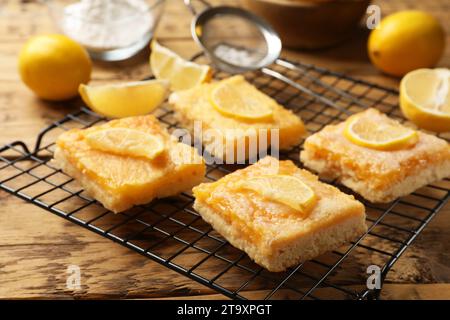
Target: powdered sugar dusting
[[104, 24]]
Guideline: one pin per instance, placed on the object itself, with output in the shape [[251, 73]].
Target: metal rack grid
[[170, 232]]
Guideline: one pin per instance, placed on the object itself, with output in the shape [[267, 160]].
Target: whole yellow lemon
[[53, 66], [405, 41]]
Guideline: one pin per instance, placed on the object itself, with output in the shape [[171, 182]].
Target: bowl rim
[[56, 8], [305, 3]]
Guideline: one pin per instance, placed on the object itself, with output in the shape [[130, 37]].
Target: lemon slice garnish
[[235, 97], [126, 142], [379, 133], [288, 190], [182, 74], [125, 99], [425, 98]]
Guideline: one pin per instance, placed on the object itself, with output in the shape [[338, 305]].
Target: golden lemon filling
[[284, 189], [235, 97], [248, 209], [380, 135], [126, 142], [256, 203]]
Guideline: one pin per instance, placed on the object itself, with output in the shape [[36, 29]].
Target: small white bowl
[[109, 30]]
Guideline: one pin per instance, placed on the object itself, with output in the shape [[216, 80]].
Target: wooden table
[[37, 247]]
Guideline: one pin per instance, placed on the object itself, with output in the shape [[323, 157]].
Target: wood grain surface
[[36, 247]]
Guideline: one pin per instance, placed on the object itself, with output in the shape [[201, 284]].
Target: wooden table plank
[[36, 247]]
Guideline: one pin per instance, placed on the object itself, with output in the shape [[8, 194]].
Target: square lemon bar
[[128, 161], [234, 113], [279, 214], [376, 156]]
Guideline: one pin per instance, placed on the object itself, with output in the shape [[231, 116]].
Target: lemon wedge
[[237, 98], [125, 99], [285, 189], [126, 142], [425, 98], [182, 74], [380, 134]]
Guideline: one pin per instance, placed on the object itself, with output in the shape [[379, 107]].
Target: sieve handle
[[304, 89], [340, 92]]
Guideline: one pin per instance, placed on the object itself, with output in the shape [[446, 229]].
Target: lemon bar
[[237, 113], [128, 161], [279, 214], [385, 170]]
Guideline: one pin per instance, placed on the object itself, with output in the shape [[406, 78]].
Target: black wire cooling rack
[[170, 232]]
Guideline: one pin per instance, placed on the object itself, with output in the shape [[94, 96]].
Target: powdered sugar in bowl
[[110, 30]]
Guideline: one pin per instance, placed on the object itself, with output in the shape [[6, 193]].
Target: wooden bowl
[[310, 24]]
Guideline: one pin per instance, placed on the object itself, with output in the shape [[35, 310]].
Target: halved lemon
[[380, 134], [126, 142], [237, 98], [425, 98], [285, 189], [182, 74], [125, 99]]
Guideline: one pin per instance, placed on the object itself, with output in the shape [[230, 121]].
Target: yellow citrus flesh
[[126, 142], [425, 98], [405, 41], [126, 99], [53, 66], [285, 189], [237, 98], [182, 74], [384, 135]]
